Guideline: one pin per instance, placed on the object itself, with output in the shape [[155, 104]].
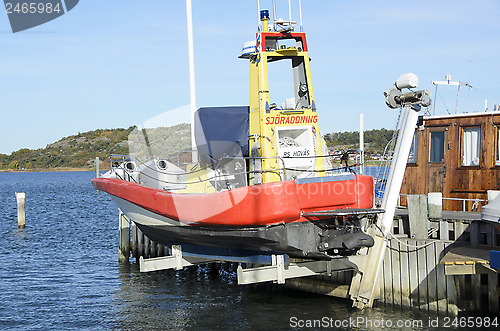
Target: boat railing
[[122, 166], [475, 204], [126, 166], [222, 176], [342, 168]]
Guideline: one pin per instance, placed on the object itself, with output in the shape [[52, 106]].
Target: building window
[[498, 148], [412, 158], [437, 147], [471, 146]]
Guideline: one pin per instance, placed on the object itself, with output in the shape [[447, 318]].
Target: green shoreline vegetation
[[79, 152]]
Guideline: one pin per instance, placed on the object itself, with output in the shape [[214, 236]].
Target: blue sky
[[116, 63]]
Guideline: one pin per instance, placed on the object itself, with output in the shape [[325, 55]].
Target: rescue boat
[[261, 180]]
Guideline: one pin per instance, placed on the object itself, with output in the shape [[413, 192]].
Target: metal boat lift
[[275, 268]]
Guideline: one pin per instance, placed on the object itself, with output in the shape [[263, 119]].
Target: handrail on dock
[[474, 207]]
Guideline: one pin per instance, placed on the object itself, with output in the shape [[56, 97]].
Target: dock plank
[[396, 272], [476, 291], [442, 298], [413, 274], [423, 302], [388, 296], [405, 274], [431, 276], [493, 300], [466, 255]]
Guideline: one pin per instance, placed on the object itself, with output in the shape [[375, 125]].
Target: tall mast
[[192, 85]]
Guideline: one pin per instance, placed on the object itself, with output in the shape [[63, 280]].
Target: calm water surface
[[62, 272]]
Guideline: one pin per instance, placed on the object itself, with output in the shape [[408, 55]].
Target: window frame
[[414, 148], [462, 146], [443, 131], [497, 146]]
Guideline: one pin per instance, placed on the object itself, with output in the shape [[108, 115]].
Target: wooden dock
[[447, 272]]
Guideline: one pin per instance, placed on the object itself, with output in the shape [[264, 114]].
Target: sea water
[[62, 272]]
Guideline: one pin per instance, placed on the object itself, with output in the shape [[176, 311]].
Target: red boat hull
[[250, 206]]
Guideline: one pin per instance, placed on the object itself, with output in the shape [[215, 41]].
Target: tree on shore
[[14, 165], [78, 150], [375, 140]]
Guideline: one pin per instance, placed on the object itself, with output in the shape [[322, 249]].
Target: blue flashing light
[[495, 259], [264, 14]]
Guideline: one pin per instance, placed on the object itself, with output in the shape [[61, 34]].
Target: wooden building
[[458, 155]]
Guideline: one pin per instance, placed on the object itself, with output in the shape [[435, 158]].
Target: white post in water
[[192, 85], [97, 167], [21, 220], [361, 145]]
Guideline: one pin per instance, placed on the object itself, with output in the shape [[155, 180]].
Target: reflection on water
[[62, 272], [205, 298]]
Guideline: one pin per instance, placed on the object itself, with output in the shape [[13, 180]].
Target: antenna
[[274, 10], [280, 25], [300, 15], [258, 13], [448, 82], [290, 11]]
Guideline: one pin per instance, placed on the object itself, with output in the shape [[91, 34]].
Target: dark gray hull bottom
[[302, 239]]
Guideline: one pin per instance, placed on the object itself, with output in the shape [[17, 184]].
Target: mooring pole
[[134, 240], [140, 243], [97, 167], [124, 237], [21, 219]]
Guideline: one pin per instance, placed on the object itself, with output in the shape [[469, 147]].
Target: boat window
[[412, 158], [498, 147], [288, 89], [437, 147], [280, 80], [471, 146]]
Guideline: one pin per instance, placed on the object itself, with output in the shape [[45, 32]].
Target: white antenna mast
[[300, 15], [274, 11], [192, 85], [258, 13], [448, 82], [290, 12]]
